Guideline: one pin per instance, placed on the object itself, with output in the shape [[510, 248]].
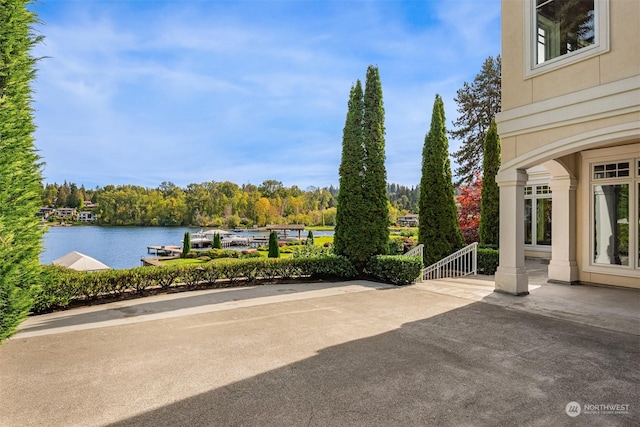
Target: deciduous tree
[[469, 209]]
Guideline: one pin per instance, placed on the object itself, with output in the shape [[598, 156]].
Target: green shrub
[[217, 253], [396, 246], [190, 255], [395, 269], [60, 286], [204, 258], [488, 260], [274, 246], [311, 251]]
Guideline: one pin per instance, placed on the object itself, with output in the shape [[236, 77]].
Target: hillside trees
[[478, 103], [20, 174], [438, 223], [362, 218]]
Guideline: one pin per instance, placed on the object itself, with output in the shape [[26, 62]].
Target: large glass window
[[615, 215], [537, 215], [611, 224], [562, 27]]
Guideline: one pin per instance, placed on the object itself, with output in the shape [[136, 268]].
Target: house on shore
[[408, 220], [570, 131]]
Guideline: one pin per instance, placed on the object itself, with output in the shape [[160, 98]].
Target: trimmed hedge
[[488, 260], [61, 286], [395, 269]]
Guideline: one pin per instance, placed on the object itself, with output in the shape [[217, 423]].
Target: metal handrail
[[459, 264], [418, 250]]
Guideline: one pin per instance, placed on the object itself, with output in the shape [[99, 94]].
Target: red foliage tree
[[469, 209]]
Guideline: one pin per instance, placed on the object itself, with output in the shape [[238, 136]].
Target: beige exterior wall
[[621, 62], [585, 103]]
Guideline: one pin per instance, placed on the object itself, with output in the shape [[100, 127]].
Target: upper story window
[[561, 32], [562, 27]]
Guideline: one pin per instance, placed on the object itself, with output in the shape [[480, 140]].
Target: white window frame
[[589, 160], [600, 45], [534, 197]]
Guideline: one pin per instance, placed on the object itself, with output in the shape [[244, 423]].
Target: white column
[[563, 266], [511, 276]]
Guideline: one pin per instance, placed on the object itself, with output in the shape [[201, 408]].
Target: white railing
[[458, 264], [418, 250]]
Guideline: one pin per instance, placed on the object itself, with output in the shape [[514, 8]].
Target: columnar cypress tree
[[490, 203], [274, 247], [186, 244], [350, 237], [362, 218], [438, 222], [20, 175], [309, 240], [375, 182], [217, 241]]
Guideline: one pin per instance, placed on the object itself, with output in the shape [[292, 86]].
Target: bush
[[221, 253], [395, 269], [60, 286], [488, 260], [396, 246], [309, 251]]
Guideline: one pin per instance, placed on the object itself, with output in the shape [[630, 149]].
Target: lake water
[[117, 247]]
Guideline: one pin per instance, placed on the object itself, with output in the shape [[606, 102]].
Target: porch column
[[511, 276], [563, 266]]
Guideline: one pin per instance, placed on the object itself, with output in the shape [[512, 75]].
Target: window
[[615, 214], [537, 215], [563, 26], [561, 32]]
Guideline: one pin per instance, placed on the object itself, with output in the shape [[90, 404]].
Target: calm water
[[118, 247]]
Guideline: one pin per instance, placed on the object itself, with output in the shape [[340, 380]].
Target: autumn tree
[[438, 221], [478, 103], [469, 209], [20, 174]]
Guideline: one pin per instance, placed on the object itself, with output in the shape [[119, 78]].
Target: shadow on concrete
[[477, 365], [178, 301]]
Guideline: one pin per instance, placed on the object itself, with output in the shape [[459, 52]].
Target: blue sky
[[141, 92]]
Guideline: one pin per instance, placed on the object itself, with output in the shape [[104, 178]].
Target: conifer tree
[[217, 241], [309, 240], [186, 244], [490, 201], [20, 174], [375, 182], [438, 222], [349, 236], [362, 218], [478, 103], [274, 246]]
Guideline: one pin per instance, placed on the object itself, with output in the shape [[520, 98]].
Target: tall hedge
[[490, 202], [186, 244], [438, 222], [20, 173]]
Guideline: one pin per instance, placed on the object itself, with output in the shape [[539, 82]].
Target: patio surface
[[325, 354]]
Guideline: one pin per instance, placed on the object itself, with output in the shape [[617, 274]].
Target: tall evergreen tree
[[438, 221], [186, 244], [362, 219], [375, 182], [490, 201], [478, 103], [20, 174], [350, 237], [217, 241]]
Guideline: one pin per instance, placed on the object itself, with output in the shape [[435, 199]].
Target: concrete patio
[[353, 353]]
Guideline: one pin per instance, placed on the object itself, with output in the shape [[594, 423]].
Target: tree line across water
[[215, 204]]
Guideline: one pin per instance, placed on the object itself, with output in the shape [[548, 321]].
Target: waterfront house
[[67, 213], [408, 220], [44, 213], [87, 216], [570, 130]]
